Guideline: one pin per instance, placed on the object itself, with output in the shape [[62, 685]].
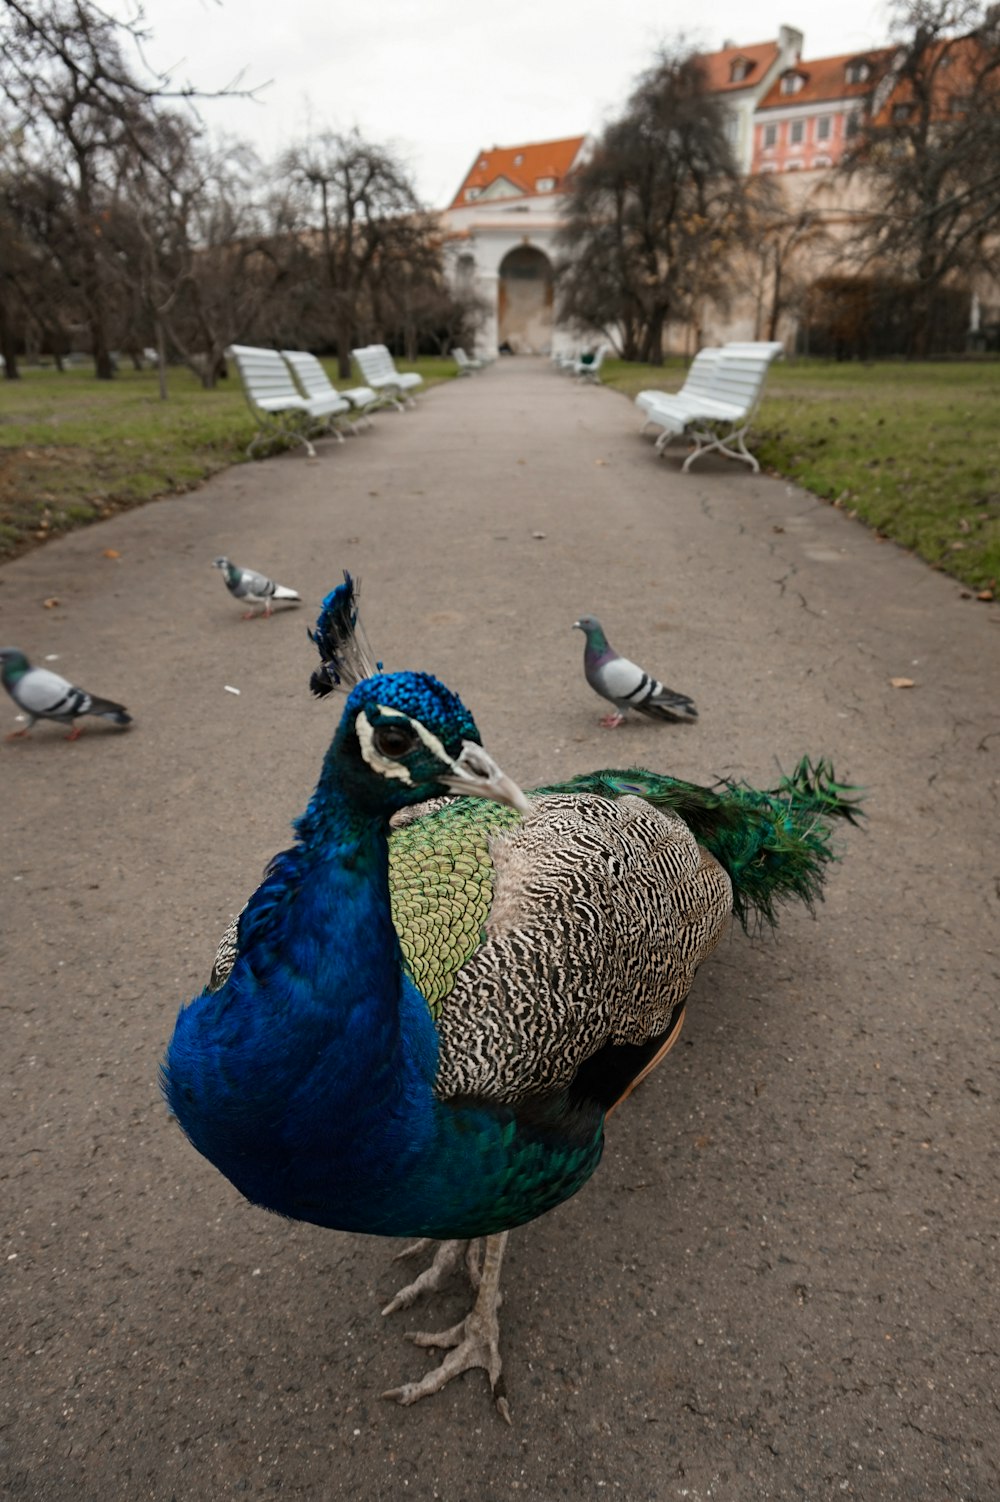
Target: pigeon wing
[[40, 692]]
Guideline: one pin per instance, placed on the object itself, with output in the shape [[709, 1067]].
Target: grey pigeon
[[256, 589], [625, 684], [45, 696]]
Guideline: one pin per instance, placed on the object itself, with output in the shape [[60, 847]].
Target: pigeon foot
[[474, 1341], [16, 735], [611, 721], [75, 733]]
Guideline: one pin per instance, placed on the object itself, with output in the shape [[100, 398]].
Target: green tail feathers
[[774, 844]]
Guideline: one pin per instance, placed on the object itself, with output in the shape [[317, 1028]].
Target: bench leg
[[712, 442]]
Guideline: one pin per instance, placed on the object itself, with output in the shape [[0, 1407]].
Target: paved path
[[781, 1283]]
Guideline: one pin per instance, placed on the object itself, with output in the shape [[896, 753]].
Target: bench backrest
[[700, 376], [738, 376], [308, 372], [263, 373], [374, 362]]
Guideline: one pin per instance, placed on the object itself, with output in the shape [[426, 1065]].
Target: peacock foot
[[474, 1341], [446, 1259]]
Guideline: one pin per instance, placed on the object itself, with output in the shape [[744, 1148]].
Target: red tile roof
[[522, 166], [718, 66], [826, 79]]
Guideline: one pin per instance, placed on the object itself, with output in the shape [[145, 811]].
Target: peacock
[[422, 1018]]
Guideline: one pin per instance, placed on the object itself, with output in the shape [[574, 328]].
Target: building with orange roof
[[500, 234], [786, 115], [813, 109], [743, 76]]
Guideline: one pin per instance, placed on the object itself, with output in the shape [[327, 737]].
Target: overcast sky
[[441, 79]]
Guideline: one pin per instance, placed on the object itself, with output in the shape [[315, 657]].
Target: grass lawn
[[912, 450], [73, 449]]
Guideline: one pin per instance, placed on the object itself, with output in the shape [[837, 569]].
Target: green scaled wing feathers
[[441, 887]]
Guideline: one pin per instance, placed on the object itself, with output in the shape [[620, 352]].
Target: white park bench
[[588, 367], [277, 403], [716, 404], [313, 381], [378, 370], [466, 365]]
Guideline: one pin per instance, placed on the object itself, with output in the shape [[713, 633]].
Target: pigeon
[[626, 685], [45, 696], [256, 589]]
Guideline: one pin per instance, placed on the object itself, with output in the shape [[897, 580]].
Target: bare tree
[[654, 216], [930, 150], [78, 100], [357, 206]]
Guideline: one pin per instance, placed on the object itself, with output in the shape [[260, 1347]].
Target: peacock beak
[[476, 774]]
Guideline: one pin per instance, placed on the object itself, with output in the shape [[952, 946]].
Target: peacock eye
[[393, 740]]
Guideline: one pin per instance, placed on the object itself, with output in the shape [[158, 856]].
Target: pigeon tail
[[109, 710], [281, 593]]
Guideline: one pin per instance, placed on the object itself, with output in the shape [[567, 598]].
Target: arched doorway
[[525, 300]]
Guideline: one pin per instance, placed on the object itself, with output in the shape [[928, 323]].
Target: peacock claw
[[446, 1259], [474, 1341]]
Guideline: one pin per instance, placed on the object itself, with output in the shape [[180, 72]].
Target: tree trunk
[[8, 346]]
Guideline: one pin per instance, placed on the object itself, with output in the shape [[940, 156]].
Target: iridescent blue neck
[[317, 1030]]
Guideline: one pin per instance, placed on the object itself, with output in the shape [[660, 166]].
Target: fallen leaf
[[777, 529], [600, 461], [50, 602], [229, 688], [538, 535], [111, 553], [902, 682], [985, 594]]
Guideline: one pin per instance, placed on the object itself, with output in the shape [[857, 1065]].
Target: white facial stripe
[[365, 732]]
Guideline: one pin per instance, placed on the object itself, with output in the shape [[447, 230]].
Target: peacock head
[[404, 737]]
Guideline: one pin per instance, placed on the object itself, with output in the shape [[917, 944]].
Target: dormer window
[[519, 159], [791, 83], [857, 71], [739, 69], [544, 184], [472, 193]]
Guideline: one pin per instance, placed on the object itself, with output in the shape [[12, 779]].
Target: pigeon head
[[222, 563], [13, 663], [592, 629], [404, 737]]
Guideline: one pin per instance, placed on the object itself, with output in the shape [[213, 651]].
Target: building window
[[822, 161], [797, 132], [791, 83], [472, 193], [853, 125], [545, 184], [732, 130], [738, 70], [793, 166], [857, 71], [901, 113], [958, 104], [823, 128], [770, 136], [519, 159]]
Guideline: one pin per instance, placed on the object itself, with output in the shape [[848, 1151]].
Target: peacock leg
[[475, 1341], [446, 1259]]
